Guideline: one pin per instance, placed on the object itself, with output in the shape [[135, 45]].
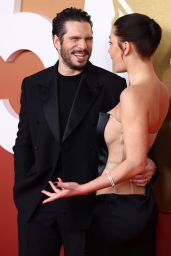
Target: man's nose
[[82, 44]]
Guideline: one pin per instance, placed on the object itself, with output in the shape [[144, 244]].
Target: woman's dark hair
[[68, 14], [141, 30]]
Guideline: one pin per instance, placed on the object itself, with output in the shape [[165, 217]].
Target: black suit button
[[37, 122]]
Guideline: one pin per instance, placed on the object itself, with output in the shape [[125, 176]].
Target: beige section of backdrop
[[161, 12], [49, 7]]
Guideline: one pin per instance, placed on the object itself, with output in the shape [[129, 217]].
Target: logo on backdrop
[[20, 32], [23, 31]]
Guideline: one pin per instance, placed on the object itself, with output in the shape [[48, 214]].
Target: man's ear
[[56, 42]]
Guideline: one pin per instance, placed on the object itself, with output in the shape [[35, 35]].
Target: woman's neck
[[140, 70]]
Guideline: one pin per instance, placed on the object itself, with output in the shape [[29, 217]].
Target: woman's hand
[[63, 190]]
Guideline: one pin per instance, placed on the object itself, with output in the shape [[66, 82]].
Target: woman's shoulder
[[133, 94]]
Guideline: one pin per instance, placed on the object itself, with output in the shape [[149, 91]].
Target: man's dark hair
[[141, 30], [68, 14]]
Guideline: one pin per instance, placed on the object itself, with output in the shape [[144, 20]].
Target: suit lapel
[[86, 94], [49, 95]]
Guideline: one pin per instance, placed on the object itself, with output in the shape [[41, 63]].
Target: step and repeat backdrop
[[26, 47]]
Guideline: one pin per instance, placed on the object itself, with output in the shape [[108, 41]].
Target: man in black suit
[[57, 138]]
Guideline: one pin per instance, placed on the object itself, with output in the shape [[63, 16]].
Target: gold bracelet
[[110, 179]]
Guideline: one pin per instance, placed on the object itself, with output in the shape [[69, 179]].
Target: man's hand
[[145, 177]]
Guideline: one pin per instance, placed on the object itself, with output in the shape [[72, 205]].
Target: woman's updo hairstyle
[[141, 30]]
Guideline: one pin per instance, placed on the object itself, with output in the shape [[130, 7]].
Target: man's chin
[[79, 66]]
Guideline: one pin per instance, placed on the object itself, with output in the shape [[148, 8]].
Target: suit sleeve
[[23, 148], [113, 89], [152, 156]]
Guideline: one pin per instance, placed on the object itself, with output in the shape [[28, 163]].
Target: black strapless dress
[[123, 225], [103, 151]]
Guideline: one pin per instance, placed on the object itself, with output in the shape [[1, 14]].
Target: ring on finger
[[56, 185]]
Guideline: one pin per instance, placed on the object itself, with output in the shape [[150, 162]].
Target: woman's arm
[[134, 118]]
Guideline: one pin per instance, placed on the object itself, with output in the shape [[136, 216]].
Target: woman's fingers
[[50, 199], [67, 185], [47, 193], [53, 196], [54, 187], [61, 190]]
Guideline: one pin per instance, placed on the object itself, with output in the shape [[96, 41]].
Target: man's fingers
[[141, 182], [142, 177]]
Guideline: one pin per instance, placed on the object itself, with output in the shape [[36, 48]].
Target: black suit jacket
[[39, 144]]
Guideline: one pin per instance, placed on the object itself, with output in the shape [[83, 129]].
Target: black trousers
[[49, 229], [124, 225]]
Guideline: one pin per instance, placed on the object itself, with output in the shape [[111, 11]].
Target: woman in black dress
[[124, 220]]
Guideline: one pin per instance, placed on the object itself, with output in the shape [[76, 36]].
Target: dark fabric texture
[[49, 229], [124, 225], [39, 143]]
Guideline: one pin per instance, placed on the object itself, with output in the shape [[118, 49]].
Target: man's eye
[[74, 38]]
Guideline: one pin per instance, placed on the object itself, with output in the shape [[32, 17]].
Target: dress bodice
[[103, 151], [110, 137], [112, 153]]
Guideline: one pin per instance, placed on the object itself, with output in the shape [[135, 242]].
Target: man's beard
[[68, 61]]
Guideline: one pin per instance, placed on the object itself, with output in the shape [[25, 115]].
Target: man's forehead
[[78, 27]]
